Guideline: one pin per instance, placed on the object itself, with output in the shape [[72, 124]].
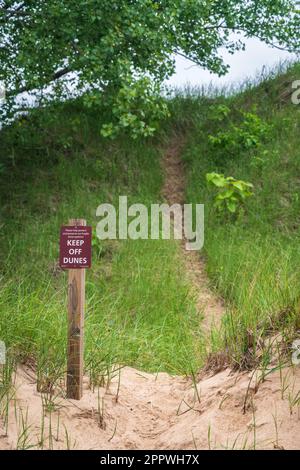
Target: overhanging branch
[[60, 73]]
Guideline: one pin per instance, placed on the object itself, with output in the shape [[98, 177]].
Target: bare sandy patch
[[147, 411]]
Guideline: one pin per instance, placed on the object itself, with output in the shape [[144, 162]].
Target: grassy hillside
[[253, 256], [55, 166]]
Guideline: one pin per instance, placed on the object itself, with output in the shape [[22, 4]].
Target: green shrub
[[249, 135], [231, 193]]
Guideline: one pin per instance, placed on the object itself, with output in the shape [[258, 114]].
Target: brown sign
[[75, 247]]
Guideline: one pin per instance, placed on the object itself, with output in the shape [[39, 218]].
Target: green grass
[[55, 166], [139, 313], [253, 260]]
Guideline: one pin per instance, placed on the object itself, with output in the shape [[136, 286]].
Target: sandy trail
[[138, 410], [209, 305]]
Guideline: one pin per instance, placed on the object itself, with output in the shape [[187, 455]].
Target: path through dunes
[[209, 304], [139, 410]]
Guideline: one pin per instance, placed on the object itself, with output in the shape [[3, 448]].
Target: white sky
[[243, 64]]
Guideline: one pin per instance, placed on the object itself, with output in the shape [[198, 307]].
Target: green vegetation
[[253, 259], [231, 192], [85, 118], [56, 165], [122, 53]]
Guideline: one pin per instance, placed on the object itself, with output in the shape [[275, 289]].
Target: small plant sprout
[[294, 399], [231, 193], [194, 441], [119, 384], [69, 444], [223, 399], [50, 435], [284, 382], [275, 420], [102, 424], [254, 427], [23, 442], [57, 426], [197, 392], [188, 407], [209, 437], [42, 431], [114, 431]]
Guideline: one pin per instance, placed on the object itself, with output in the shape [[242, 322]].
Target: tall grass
[[55, 167], [139, 310], [254, 259]]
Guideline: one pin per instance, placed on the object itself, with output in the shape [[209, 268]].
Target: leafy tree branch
[[117, 46]]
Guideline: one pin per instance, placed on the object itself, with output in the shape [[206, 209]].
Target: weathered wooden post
[[75, 255]]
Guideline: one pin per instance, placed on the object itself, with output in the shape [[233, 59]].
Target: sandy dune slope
[[159, 412]]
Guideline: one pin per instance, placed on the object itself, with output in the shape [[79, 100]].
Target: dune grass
[[55, 167], [253, 259], [139, 311]]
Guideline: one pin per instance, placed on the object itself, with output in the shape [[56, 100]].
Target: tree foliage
[[106, 48]]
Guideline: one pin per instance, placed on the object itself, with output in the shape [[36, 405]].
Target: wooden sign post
[[75, 255]]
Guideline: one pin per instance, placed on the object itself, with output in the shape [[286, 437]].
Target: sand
[[147, 411]]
